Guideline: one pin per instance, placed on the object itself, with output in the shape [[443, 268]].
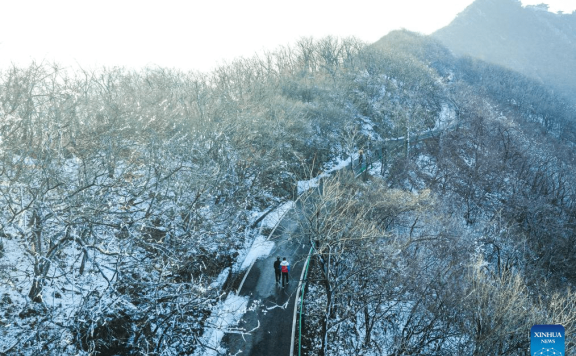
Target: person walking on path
[[277, 269], [285, 267]]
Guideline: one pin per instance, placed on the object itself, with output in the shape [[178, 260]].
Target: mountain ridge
[[530, 40]]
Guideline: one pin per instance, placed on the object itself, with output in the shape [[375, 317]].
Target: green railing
[[390, 147], [393, 147], [302, 291]]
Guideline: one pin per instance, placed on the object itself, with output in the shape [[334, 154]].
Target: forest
[[131, 197]]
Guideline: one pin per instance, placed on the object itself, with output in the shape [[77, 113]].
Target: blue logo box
[[547, 340]]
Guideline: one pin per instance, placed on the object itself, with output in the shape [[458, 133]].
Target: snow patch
[[305, 185], [260, 248], [219, 282], [446, 118], [222, 320], [272, 219]]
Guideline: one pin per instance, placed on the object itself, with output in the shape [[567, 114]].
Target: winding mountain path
[[270, 324], [272, 305]]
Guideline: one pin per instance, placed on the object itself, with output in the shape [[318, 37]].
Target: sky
[[200, 35]]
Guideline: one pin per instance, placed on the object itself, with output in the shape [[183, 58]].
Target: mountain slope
[[530, 40], [131, 198]]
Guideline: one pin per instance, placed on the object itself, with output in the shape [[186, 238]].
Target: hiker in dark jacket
[[277, 269], [285, 267]]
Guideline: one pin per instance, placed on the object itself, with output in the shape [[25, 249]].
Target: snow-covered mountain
[[131, 200]]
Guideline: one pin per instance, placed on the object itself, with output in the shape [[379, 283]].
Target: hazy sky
[[201, 34]]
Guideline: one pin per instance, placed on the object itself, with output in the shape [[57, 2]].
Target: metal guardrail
[[376, 155], [359, 168], [392, 146], [302, 292]]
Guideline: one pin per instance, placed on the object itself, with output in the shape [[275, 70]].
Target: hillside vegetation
[[130, 198]]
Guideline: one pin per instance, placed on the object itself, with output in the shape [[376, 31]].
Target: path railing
[[390, 147], [302, 292]]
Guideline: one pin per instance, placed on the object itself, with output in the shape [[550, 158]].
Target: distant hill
[[530, 40]]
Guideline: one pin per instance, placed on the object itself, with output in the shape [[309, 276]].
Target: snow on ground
[[272, 219], [16, 266], [305, 185], [222, 320], [375, 169], [427, 164], [221, 279], [446, 118], [260, 248], [337, 165]]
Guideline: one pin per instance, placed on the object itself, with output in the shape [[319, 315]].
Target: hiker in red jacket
[[285, 267]]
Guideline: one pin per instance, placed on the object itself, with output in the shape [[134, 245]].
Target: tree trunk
[[35, 292], [368, 328]]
